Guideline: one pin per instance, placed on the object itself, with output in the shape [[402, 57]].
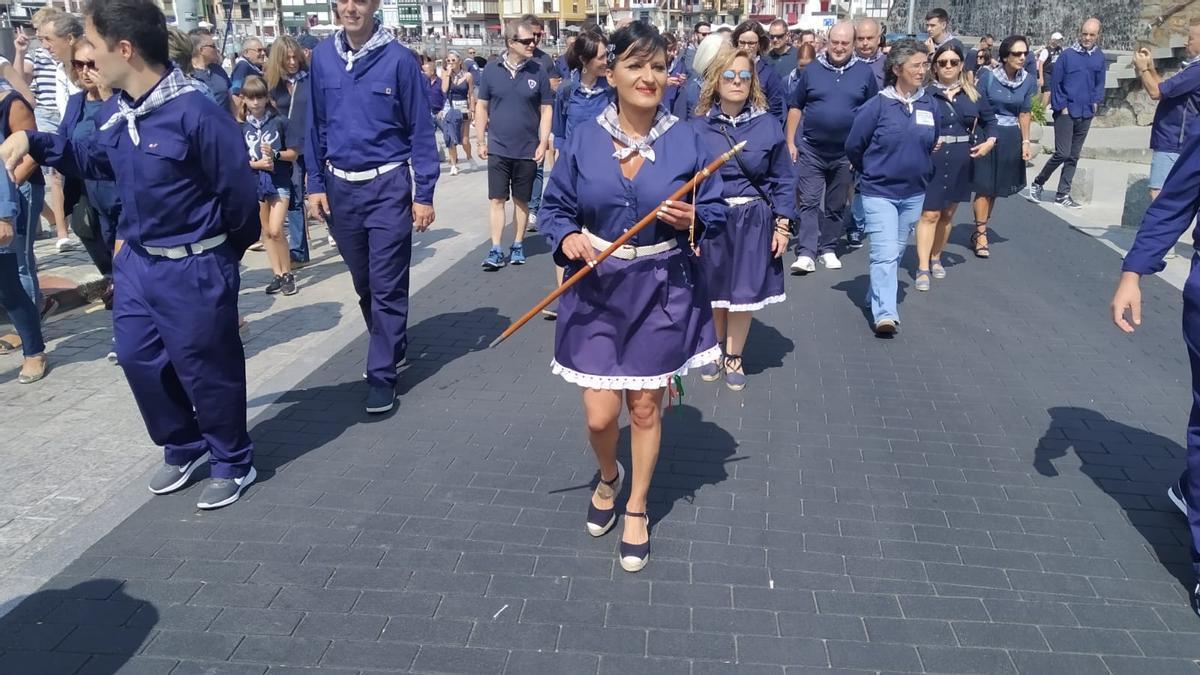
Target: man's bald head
[[866, 37], [841, 42], [1089, 33]]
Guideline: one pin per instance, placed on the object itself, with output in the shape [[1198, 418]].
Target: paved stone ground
[[983, 493], [83, 417]]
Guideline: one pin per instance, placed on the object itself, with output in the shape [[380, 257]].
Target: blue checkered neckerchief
[[173, 85], [748, 113], [823, 59], [379, 38], [1002, 77], [663, 120], [1079, 48], [873, 58]]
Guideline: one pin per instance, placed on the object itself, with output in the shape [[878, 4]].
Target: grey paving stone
[[871, 656], [257, 621], [965, 660], [1034, 662], [370, 655], [781, 651], [460, 660], [190, 645], [822, 626], [281, 650], [909, 631], [1002, 635]]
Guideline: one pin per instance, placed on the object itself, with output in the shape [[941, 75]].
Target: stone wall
[[1036, 19]]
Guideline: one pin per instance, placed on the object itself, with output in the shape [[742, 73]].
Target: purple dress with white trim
[[631, 324], [740, 272]]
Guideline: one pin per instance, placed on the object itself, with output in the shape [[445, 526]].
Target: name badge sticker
[[924, 118]]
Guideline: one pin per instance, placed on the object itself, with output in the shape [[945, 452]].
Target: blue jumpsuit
[[374, 115], [176, 320], [1168, 217]]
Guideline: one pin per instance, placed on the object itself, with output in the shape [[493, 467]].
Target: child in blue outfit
[[264, 130]]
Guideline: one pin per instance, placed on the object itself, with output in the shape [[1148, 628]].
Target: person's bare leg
[[520, 219], [942, 233], [602, 411], [56, 206], [466, 139], [720, 322], [275, 241], [452, 156], [645, 427], [496, 221], [735, 340], [926, 227]]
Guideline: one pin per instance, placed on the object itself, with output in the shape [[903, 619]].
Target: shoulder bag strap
[[741, 165]]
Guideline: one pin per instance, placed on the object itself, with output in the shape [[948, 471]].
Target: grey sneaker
[[224, 491], [1068, 203], [1034, 193], [170, 478]]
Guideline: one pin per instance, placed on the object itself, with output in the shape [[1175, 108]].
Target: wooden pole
[[685, 189]]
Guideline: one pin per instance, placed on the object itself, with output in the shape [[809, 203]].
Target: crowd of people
[[177, 167]]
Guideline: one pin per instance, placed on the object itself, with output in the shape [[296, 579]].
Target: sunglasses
[[528, 42], [538, 35], [1021, 54], [778, 37], [83, 65], [729, 75], [949, 63]]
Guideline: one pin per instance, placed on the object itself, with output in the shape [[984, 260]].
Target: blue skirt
[[634, 324], [951, 182], [452, 121], [740, 272]]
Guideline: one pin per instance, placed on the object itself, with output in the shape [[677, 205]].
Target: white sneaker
[[804, 264], [474, 164], [454, 170], [65, 244], [831, 261], [332, 243]]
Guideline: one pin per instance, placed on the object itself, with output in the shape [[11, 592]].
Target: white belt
[[362, 176], [738, 201], [177, 252], [629, 251], [954, 139], [1006, 120], [459, 105]]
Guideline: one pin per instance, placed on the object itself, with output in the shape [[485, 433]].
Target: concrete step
[[1117, 144]]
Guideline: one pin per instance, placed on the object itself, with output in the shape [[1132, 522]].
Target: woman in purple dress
[[642, 317], [743, 264]]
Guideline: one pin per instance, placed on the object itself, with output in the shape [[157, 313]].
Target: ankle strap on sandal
[[636, 514], [612, 482]]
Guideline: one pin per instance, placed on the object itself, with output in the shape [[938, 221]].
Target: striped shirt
[[45, 73]]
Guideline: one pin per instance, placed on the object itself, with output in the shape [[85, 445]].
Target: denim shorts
[[1160, 165]]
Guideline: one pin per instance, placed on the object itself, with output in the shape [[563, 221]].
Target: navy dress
[[631, 324], [273, 130], [962, 124], [457, 105], [1002, 172], [741, 273]]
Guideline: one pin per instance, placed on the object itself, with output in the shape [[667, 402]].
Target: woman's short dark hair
[[637, 39], [806, 49], [752, 27], [939, 14], [140, 22], [902, 51], [587, 46], [1006, 46]]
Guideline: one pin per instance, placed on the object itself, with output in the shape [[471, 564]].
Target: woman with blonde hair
[[743, 263], [459, 87], [965, 119], [286, 75]]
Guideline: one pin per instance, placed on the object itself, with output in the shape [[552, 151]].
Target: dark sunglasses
[[538, 35], [528, 42], [740, 74], [81, 65], [778, 37], [949, 63], [1021, 54]]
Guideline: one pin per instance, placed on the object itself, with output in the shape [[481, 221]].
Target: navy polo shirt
[[829, 100], [514, 104], [241, 70], [1177, 111]]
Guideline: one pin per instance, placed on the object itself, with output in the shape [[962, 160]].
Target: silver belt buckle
[[631, 250], [175, 252]]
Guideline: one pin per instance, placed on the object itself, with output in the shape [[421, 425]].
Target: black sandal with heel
[[980, 251]]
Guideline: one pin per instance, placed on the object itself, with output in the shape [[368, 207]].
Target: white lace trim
[[749, 306], [633, 382]]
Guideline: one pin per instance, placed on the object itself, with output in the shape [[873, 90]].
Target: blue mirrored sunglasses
[[742, 74]]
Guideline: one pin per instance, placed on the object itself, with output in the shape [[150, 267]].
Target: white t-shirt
[[1043, 54]]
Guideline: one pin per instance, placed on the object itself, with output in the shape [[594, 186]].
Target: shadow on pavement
[[1128, 472], [92, 627], [766, 348]]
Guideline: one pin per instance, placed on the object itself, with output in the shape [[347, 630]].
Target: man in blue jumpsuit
[[1168, 217], [369, 128], [190, 212]]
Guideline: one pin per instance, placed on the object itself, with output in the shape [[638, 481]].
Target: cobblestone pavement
[[75, 439], [983, 493]]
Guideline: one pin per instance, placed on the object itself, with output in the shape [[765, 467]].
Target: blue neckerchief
[[822, 58], [663, 121]]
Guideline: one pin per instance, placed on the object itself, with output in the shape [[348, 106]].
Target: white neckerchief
[[380, 38], [512, 70], [823, 59], [875, 57], [908, 101], [608, 121]]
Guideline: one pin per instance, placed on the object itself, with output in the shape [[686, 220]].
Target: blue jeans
[[535, 200], [21, 309], [890, 223], [297, 233], [32, 199], [858, 221]]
